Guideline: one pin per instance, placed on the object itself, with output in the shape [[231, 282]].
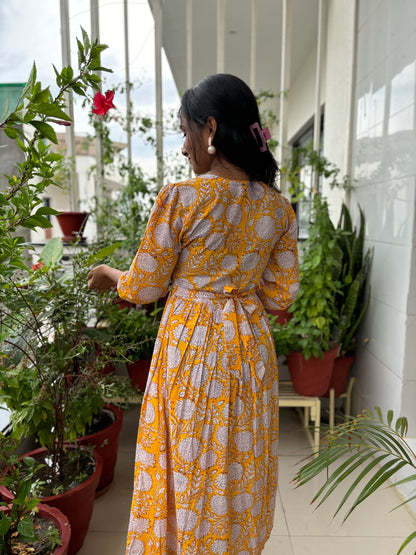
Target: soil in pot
[[76, 470], [76, 503], [46, 519]]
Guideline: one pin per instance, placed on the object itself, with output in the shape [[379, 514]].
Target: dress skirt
[[206, 461]]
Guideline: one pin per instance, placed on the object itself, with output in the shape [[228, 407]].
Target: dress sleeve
[[149, 275], [279, 284]]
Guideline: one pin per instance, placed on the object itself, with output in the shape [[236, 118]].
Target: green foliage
[[135, 328], [20, 202], [52, 354], [370, 445], [351, 301], [308, 157], [315, 315], [124, 217], [18, 524]]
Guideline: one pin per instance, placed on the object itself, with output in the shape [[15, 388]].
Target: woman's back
[[229, 229]]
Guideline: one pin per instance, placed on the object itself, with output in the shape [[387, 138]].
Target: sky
[[30, 32]]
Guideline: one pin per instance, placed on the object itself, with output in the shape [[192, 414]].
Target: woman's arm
[[103, 277], [280, 281]]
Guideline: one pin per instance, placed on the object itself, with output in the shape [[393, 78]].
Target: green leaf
[[5, 523], [81, 54], [52, 252], [78, 89], [11, 132], [52, 110], [36, 221], [45, 129], [106, 251], [26, 530], [42, 96], [406, 542], [46, 211], [6, 111], [53, 157], [29, 84], [86, 39]]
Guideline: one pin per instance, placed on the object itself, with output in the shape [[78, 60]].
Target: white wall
[[301, 96], [384, 164], [338, 93]]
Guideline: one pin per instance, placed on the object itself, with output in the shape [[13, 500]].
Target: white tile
[[388, 285], [412, 289], [388, 203], [371, 518], [402, 29], [376, 384], [104, 543], [346, 546], [293, 439], [408, 404], [279, 524], [383, 331], [278, 545]]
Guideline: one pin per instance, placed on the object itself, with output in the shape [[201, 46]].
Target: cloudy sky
[[30, 31]]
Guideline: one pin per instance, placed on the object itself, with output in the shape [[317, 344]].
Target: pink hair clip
[[264, 135]]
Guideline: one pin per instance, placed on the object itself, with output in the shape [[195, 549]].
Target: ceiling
[[238, 38]]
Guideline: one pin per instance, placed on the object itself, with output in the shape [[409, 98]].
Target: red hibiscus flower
[[102, 103], [37, 266]]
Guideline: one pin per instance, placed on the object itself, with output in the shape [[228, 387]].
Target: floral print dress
[[206, 460]]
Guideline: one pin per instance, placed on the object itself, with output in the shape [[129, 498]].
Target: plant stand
[[312, 410], [346, 395]]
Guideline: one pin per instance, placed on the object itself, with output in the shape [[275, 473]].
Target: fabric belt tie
[[238, 304]]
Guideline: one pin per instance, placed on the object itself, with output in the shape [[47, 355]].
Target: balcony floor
[[299, 529]]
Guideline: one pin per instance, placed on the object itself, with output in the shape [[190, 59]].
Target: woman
[[206, 461]]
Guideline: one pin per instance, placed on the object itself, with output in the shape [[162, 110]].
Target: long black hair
[[231, 102]]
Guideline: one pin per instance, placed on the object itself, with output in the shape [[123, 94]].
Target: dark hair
[[233, 105]]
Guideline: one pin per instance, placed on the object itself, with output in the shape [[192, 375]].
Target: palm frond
[[368, 442]]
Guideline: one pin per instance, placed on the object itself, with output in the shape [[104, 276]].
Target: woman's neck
[[223, 168]]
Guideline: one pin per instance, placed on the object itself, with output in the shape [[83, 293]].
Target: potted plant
[[135, 328], [49, 367], [72, 225], [368, 444], [307, 338], [351, 302], [24, 522]]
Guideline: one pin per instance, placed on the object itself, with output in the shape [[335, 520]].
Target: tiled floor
[[299, 528]]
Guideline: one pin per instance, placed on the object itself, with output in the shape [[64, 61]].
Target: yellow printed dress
[[206, 460]]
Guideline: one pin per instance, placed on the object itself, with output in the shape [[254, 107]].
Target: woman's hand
[[103, 277]]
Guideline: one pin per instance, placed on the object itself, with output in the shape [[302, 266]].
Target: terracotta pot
[[106, 444], [283, 316], [72, 225], [311, 377], [138, 372], [61, 522], [340, 372], [77, 504]]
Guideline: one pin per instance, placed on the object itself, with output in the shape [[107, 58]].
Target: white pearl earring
[[211, 148]]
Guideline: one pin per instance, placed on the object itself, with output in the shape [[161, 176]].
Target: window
[[304, 140]]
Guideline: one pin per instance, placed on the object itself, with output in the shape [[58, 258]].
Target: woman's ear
[[212, 125]]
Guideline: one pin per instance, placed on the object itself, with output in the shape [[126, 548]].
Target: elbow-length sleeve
[[279, 284], [149, 275]]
